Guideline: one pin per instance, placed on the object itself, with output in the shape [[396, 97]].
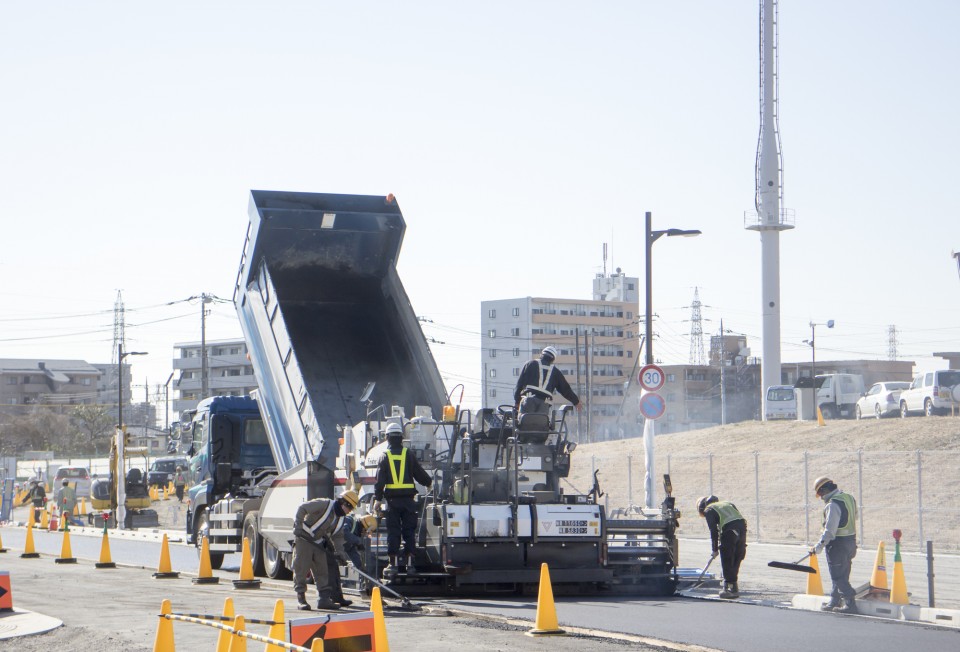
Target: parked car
[[881, 400], [77, 476], [163, 468], [931, 392]]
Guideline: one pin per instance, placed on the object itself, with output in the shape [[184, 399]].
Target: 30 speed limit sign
[[651, 377]]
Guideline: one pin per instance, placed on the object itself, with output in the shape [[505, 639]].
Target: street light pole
[[813, 351], [121, 480], [649, 428]]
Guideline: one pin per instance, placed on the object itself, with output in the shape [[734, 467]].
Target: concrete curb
[[21, 622], [878, 609]]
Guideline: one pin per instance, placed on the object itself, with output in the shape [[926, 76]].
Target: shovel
[[702, 573], [795, 566]]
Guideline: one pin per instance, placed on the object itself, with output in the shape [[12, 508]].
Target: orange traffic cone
[[2, 549], [223, 640], [246, 581], [814, 583], [820, 421], [29, 552], [380, 643], [44, 520], [317, 645], [105, 561], [164, 571], [66, 553], [278, 631], [879, 578], [546, 623], [205, 576], [238, 643], [83, 507], [164, 640], [898, 590]]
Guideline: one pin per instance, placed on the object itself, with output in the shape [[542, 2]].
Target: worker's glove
[[714, 554], [816, 549], [377, 507], [299, 532], [341, 558]]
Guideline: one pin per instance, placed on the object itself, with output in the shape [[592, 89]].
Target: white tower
[[769, 218]]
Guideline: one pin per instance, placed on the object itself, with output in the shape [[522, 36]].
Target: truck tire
[[254, 540], [200, 532], [273, 564]]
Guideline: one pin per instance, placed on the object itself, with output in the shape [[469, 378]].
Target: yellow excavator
[[126, 502]]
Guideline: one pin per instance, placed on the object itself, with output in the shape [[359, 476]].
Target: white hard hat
[[550, 351], [394, 430]]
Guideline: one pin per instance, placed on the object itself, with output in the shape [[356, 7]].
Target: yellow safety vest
[[847, 526], [726, 511], [394, 475]]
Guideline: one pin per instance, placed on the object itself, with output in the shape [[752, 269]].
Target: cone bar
[[205, 575], [164, 571], [546, 623]]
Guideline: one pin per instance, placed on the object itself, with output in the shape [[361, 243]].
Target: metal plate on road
[[652, 405], [651, 377]]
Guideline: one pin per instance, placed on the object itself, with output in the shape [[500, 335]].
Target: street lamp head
[[685, 233], [829, 323]]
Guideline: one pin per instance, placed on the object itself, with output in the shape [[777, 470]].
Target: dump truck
[[328, 327]]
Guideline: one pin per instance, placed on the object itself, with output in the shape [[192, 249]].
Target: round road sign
[[651, 377], [652, 405]]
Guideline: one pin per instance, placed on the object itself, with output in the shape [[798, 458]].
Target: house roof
[[55, 369]]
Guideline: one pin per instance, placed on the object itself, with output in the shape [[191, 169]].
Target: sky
[[518, 137]]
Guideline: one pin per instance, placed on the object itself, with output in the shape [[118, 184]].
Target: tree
[[40, 429], [95, 425]]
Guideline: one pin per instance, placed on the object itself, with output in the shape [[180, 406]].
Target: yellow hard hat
[[350, 497], [369, 523], [819, 482]]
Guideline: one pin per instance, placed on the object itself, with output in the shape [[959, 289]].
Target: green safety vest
[[395, 476], [726, 511], [848, 517]]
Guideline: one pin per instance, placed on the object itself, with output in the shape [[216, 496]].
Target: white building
[[514, 331], [229, 372]]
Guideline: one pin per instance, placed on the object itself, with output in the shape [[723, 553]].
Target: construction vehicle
[[328, 324], [124, 495]]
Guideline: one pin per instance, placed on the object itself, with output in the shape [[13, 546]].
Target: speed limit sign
[[651, 377]]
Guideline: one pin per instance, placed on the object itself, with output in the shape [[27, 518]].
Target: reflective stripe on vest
[[848, 514], [544, 380], [327, 514], [395, 476], [726, 511]]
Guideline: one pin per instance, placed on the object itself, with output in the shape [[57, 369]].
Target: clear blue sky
[[517, 137]]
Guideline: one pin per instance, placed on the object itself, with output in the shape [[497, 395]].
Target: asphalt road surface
[[713, 624]]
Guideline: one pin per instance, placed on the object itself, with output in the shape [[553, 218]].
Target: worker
[[179, 483], [67, 501], [38, 493], [728, 534], [349, 540], [839, 539], [538, 380], [396, 472], [314, 525]]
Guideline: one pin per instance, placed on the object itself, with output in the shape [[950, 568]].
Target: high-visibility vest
[[848, 514], [726, 511], [396, 476], [328, 519], [544, 380]]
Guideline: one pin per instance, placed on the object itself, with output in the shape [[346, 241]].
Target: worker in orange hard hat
[[314, 525], [839, 539]]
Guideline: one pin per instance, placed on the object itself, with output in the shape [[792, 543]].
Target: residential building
[[598, 345], [229, 372], [36, 382]]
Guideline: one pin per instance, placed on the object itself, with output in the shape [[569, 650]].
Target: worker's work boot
[[302, 603], [726, 593], [849, 606], [391, 570], [327, 603], [735, 589], [833, 604], [411, 568], [343, 602]]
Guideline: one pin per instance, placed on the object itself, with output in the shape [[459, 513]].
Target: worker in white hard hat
[[839, 539], [396, 473], [728, 534], [316, 523], [538, 381]]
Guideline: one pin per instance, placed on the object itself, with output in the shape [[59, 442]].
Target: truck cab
[[837, 394], [230, 455]]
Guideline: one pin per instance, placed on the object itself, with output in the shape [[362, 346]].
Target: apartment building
[[229, 372], [600, 333], [31, 382]]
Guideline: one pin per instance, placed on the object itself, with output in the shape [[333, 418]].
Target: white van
[[781, 402]]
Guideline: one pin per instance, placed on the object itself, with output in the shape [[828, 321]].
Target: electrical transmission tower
[[696, 331], [892, 342], [118, 328]]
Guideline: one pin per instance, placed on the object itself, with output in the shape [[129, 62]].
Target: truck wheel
[[252, 535], [201, 531], [273, 564]]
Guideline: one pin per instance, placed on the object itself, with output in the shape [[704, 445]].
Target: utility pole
[[723, 384], [166, 402], [204, 381]]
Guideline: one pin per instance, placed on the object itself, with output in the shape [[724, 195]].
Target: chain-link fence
[[27, 469], [913, 491]]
